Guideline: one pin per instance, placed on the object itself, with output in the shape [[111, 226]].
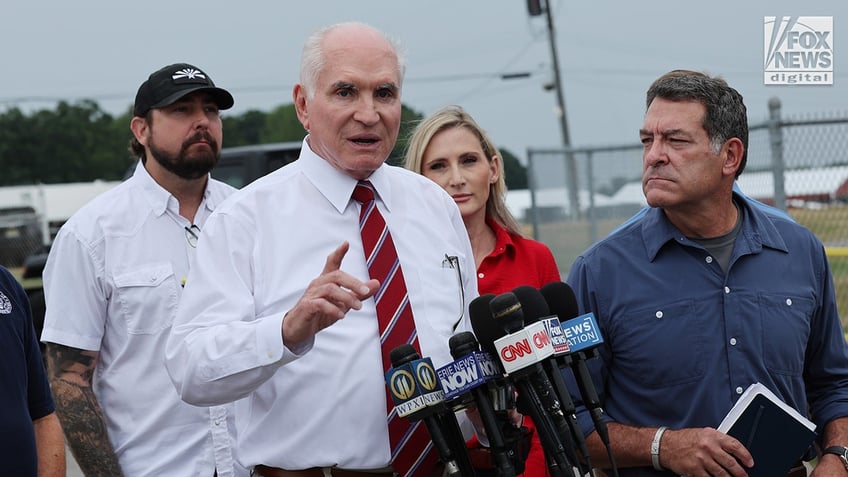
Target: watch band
[[655, 449], [840, 451]]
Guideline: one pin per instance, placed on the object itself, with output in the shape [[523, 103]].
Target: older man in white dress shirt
[[278, 312]]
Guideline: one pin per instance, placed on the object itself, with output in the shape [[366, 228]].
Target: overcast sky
[[609, 52]]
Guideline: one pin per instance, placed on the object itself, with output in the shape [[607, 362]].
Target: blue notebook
[[775, 434]]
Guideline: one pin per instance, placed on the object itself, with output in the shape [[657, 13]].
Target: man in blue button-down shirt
[[704, 295]]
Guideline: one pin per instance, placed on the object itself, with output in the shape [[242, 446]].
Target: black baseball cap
[[171, 83]]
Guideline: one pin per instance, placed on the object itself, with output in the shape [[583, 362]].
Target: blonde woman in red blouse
[[452, 150]]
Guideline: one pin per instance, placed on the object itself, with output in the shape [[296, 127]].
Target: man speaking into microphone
[[310, 276], [704, 295]]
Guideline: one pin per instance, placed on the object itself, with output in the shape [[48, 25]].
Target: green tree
[[74, 142], [282, 125], [80, 142], [515, 174], [17, 147], [243, 129], [122, 156]]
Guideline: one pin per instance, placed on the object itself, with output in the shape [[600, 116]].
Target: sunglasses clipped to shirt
[[192, 234]]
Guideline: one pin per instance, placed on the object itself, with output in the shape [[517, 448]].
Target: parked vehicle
[[242, 165], [20, 234]]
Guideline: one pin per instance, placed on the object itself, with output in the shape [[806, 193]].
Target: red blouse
[[514, 262]]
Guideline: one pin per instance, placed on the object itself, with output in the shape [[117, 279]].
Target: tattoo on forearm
[[71, 371], [63, 359]]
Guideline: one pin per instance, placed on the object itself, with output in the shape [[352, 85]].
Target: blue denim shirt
[[683, 339]]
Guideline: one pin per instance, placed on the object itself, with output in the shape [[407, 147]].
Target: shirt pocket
[[147, 297], [443, 300], [785, 331], [662, 345]]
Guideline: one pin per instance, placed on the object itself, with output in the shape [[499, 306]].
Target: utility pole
[[535, 8]]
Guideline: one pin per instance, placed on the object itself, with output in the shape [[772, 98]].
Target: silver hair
[[312, 56]]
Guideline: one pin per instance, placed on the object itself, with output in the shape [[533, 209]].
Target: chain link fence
[[20, 234], [797, 164]]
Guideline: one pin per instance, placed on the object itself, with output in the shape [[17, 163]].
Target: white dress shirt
[[326, 405], [112, 281]]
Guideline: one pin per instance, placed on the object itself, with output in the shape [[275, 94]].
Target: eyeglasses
[[192, 234], [452, 262]]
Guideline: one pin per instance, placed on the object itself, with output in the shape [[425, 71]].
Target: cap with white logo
[[169, 84]]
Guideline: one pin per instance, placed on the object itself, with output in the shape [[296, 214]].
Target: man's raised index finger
[[334, 260]]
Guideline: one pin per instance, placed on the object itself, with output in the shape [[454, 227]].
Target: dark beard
[[187, 166]]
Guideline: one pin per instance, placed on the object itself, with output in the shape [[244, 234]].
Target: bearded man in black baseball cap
[[169, 86], [114, 278]]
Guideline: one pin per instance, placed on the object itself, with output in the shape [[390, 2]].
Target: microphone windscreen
[[561, 300], [462, 344], [484, 326], [532, 303], [507, 312], [403, 354]]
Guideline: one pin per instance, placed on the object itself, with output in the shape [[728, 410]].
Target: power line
[[270, 88], [502, 75]]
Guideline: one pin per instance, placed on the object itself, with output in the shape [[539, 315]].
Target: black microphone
[[501, 389], [415, 391], [487, 332], [502, 393], [583, 336], [536, 310], [481, 322], [469, 374], [546, 372], [520, 351]]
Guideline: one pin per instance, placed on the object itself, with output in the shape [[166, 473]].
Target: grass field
[[568, 239]]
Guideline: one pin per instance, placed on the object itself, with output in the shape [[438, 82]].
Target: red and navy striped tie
[[412, 453]]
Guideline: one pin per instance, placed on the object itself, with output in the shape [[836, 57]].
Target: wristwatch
[[841, 451]]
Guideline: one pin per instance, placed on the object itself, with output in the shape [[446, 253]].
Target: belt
[[265, 471]]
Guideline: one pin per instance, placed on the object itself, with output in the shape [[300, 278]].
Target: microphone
[[583, 335], [481, 317], [469, 375], [536, 310], [501, 388], [502, 391], [414, 389], [520, 350]]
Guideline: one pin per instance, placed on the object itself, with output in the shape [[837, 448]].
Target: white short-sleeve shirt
[[113, 280]]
